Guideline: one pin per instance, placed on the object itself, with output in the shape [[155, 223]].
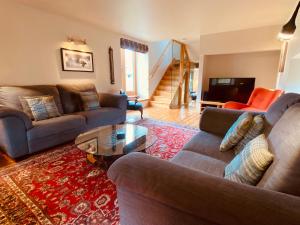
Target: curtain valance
[[134, 46]]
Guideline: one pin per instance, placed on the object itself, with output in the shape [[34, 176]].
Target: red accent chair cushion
[[260, 100]]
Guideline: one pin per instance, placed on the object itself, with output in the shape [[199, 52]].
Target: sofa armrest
[[10, 112], [113, 100], [234, 105], [218, 121], [191, 192], [14, 125]]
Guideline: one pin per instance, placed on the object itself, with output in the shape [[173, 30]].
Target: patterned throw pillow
[[37, 108], [42, 107], [256, 128], [25, 107], [51, 106], [249, 166], [236, 132], [90, 100]]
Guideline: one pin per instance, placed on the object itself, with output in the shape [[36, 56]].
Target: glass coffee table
[[105, 144]]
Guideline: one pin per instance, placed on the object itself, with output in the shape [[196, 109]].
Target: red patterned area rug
[[59, 187]]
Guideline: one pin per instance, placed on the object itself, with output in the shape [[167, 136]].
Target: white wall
[[30, 43], [290, 79], [156, 50]]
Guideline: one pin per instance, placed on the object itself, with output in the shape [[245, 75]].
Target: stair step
[[159, 104], [163, 99], [169, 82], [170, 78], [163, 93], [165, 87]]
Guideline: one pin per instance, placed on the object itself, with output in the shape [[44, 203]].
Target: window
[[135, 72], [130, 78]]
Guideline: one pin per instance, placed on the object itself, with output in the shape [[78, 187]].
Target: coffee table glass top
[[107, 141]]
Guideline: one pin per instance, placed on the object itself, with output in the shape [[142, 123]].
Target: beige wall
[[253, 40], [30, 43], [261, 65]]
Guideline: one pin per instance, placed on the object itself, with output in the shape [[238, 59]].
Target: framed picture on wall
[[74, 60]]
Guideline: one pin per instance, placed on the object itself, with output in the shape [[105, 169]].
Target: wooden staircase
[[173, 89], [164, 92]]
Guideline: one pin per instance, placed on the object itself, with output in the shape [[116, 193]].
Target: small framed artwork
[[78, 61]]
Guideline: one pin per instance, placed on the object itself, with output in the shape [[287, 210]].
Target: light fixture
[[76, 41], [289, 29]]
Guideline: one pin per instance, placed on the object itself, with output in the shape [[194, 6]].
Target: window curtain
[[134, 46]]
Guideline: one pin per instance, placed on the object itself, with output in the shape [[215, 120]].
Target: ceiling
[[153, 20]]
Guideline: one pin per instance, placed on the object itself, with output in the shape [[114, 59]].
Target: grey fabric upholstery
[[218, 121], [103, 116], [70, 97], [9, 95], [13, 127], [114, 101], [190, 189], [208, 144], [20, 136], [197, 197], [284, 141], [54, 131], [13, 139], [11, 112], [278, 108], [200, 163]]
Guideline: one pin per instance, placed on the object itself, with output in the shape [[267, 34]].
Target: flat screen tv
[[230, 89]]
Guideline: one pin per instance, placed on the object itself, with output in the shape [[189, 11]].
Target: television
[[229, 89]]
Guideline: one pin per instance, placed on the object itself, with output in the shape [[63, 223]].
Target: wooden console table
[[210, 103]]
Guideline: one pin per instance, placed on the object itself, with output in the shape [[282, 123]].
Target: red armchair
[[260, 100]]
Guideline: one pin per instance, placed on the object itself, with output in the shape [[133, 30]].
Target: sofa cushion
[[200, 162], [236, 132], [251, 163], [256, 128], [284, 173], [70, 96], [90, 100], [9, 95], [103, 116], [50, 132], [208, 144]]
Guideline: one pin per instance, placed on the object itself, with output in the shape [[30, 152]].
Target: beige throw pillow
[[256, 128], [251, 163]]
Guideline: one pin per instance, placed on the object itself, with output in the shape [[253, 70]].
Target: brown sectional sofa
[[20, 136], [190, 188]]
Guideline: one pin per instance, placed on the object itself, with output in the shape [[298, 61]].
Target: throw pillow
[[256, 128], [236, 132], [51, 106], [249, 166], [90, 100], [37, 108], [42, 107], [25, 107]]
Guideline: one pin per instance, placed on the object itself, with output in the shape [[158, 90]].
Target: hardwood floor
[[187, 116]]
